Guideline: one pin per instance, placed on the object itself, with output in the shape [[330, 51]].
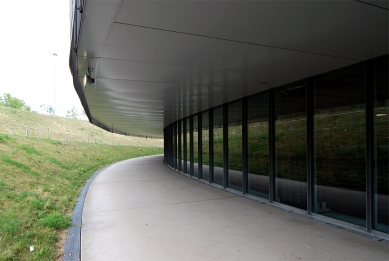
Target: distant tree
[[72, 113], [48, 108], [12, 102]]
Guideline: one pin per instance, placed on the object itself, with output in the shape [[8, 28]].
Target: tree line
[[9, 101]]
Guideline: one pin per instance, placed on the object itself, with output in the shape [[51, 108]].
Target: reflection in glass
[[258, 145], [179, 146], [218, 145], [205, 145], [182, 145], [235, 146], [381, 146], [195, 146], [290, 139], [188, 145], [340, 150], [175, 145]]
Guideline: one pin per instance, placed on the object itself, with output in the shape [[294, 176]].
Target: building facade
[[319, 146], [285, 102]]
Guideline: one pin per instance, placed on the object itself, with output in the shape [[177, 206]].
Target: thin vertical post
[[175, 144], [211, 149], [185, 146], [369, 94], [225, 146], [179, 150], [200, 146], [245, 153], [272, 153], [311, 197], [191, 145]]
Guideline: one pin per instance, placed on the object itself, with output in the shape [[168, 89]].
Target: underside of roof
[[155, 62]]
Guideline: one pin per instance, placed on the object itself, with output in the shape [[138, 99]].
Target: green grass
[[40, 180], [62, 130]]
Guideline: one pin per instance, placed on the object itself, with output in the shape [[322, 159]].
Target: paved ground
[[139, 209]]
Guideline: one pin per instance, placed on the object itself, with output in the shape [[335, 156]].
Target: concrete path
[[139, 209]]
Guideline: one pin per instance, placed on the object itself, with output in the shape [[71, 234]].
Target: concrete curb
[[72, 248]]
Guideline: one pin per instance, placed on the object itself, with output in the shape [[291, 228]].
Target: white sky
[[31, 31]]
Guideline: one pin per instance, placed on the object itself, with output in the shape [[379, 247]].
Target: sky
[[31, 32]]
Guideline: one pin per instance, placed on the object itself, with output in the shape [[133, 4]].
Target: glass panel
[[218, 145], [180, 156], [340, 154], [175, 145], [381, 145], [235, 146], [182, 146], [172, 145], [188, 145], [205, 145], [258, 145], [195, 146], [290, 139]]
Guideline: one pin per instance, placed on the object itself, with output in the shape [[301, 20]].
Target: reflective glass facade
[[195, 146], [258, 145], [235, 158], [205, 145], [319, 145], [291, 145], [218, 151], [381, 147], [340, 150]]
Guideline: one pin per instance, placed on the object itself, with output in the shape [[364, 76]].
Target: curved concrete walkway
[[139, 209]]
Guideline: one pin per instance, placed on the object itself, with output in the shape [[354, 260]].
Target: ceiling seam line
[[377, 6], [236, 41]]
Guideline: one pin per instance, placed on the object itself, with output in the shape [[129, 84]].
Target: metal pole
[[245, 150], [272, 153], [311, 195], [55, 84]]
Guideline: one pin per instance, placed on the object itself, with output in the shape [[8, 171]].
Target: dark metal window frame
[[172, 133]]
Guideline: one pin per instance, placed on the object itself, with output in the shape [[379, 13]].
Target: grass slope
[[58, 128], [40, 180]]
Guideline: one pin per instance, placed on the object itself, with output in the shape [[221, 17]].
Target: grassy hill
[[40, 179], [62, 129]]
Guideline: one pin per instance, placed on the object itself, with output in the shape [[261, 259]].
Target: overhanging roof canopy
[[159, 61]]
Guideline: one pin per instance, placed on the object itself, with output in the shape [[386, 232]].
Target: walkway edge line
[[72, 248]]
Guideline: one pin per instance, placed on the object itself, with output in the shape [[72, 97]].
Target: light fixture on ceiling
[[87, 80], [381, 114]]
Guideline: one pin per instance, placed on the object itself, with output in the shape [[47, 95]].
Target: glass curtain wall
[[235, 158], [258, 145], [218, 145], [205, 144], [195, 146], [340, 146], [291, 145], [381, 147], [348, 145]]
